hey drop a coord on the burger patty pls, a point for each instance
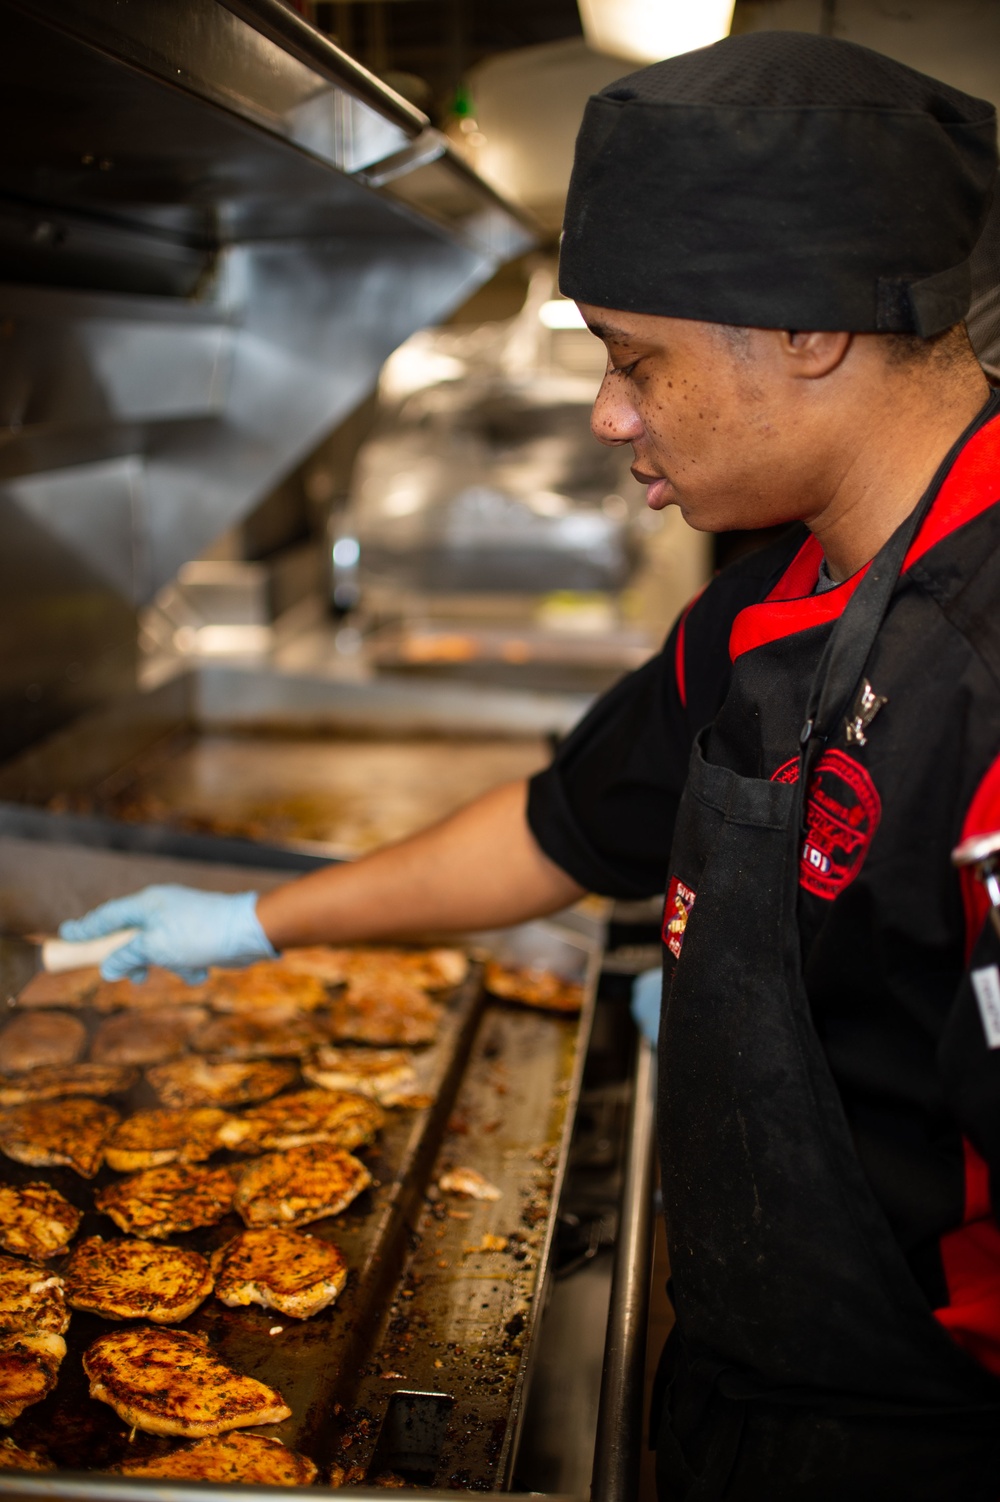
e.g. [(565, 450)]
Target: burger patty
[(49, 1083), (342, 1120), (146, 1037), (290, 1271), (255, 1459), (298, 1186), (169, 1382), (29, 1370), (35, 1220), (151, 1138), (194, 1081), (137, 1280), (49, 1133), (31, 1299), (162, 1201), (34, 1039)]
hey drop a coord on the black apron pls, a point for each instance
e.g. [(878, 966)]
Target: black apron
[(805, 1362)]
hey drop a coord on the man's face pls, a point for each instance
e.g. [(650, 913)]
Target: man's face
[(711, 417)]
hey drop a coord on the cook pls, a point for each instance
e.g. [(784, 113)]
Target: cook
[(772, 237)]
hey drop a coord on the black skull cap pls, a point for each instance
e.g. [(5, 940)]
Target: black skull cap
[(780, 180)]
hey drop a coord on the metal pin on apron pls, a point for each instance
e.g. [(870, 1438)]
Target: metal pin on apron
[(982, 853)]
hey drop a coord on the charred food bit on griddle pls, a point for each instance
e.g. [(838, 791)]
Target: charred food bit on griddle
[(161, 988), (47, 1134), (137, 1280), (169, 1382), (146, 1037), (71, 988), (31, 1299), (468, 1182), (32, 1040), (29, 1369), (267, 986), (162, 1201), (52, 1083), (369, 1011), (343, 1120), (151, 1138), (533, 988), (254, 1459), (264, 1036), (299, 1186), (290, 1271), (194, 1081), (13, 1458), (35, 1220), (385, 1074)]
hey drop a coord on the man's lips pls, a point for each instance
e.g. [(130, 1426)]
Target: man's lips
[(656, 487)]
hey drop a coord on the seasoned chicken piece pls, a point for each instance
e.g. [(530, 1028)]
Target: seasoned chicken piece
[(198, 1082), (150, 1138), (469, 1182), (169, 1382), (269, 1035), (533, 988), (137, 1280), (13, 1458), (31, 1299), (290, 1271), (162, 1201), (32, 1040), (161, 988), (35, 1220), (47, 1133), (254, 1459), (146, 1037), (300, 1185), (384, 1074), (68, 1079), (71, 988), (29, 1369), (305, 1116), (327, 964), (370, 1012), (267, 986), (431, 969)]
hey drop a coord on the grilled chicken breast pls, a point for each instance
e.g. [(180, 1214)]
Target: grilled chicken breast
[(169, 1382), (13, 1458), (369, 1011), (71, 988), (290, 1271), (31, 1298), (162, 1201), (194, 1081), (34, 1039), (270, 1035), (146, 1037), (161, 988), (35, 1220), (254, 1459), (343, 1120), (533, 988), (136, 1280), (323, 961), (48, 1133), (29, 1370), (267, 986), (150, 1138), (295, 1187), (430, 969), (68, 1079), (384, 1074)]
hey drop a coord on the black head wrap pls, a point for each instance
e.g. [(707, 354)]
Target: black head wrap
[(781, 180)]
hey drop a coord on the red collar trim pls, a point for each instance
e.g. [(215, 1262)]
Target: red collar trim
[(971, 487)]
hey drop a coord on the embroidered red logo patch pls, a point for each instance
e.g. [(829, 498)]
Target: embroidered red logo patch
[(676, 912), (841, 820)]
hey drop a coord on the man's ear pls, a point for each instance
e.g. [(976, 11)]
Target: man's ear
[(812, 353)]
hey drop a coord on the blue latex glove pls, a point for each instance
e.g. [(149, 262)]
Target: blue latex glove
[(647, 991), (181, 928)]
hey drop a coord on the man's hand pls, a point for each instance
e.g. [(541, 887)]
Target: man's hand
[(180, 928)]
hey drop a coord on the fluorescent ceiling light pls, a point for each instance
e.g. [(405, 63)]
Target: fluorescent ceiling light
[(560, 313), (644, 31)]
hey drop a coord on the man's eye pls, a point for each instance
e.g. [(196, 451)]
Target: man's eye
[(624, 370)]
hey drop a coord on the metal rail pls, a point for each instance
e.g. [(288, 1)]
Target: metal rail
[(86, 1488), (620, 1419)]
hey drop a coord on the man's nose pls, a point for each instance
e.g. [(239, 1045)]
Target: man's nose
[(614, 419)]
